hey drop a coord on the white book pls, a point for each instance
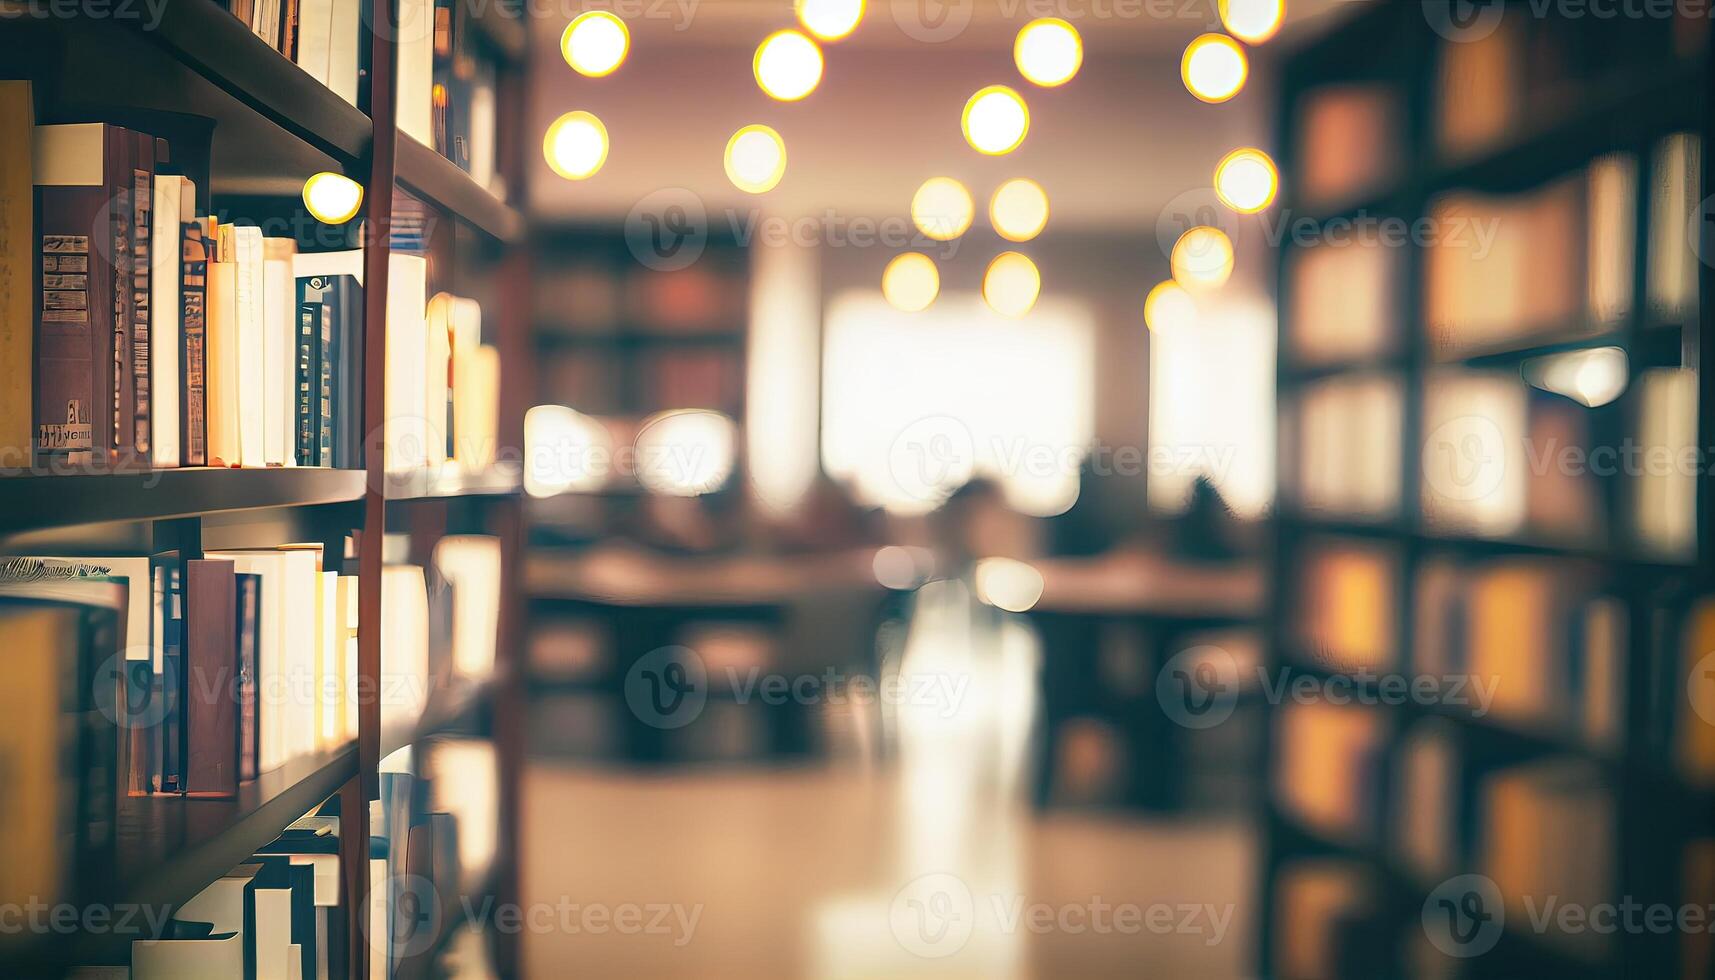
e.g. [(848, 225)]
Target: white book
[(188, 959), (416, 75), (273, 940), (279, 448), (476, 407), (315, 33), (348, 605), (405, 430), (437, 367), (482, 133), (404, 645), (302, 583), (243, 245), (221, 364), (342, 49), (379, 936), (175, 204), (330, 676), (222, 902), (471, 565), (271, 686)]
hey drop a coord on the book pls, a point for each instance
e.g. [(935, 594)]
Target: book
[(335, 281), (210, 685), (416, 67), (213, 957), (346, 599), (139, 400), (193, 287), (1348, 141), (404, 680), (1347, 432), (437, 377), (175, 203), (247, 621), (406, 432), (222, 379), (268, 923), (242, 246), (279, 401), (17, 275), (36, 861), (344, 54), (169, 593), (315, 36), (470, 565), (83, 175), (223, 903)]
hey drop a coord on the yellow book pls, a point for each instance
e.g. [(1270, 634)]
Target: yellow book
[(1697, 727), (17, 262), (39, 643)]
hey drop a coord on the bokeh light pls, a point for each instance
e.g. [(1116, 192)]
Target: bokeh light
[(1246, 180), (1048, 51), (575, 145), (942, 208), (1202, 258), (755, 159), (1214, 68), (1019, 209), (788, 65), (1011, 284), (995, 120), (595, 43), (911, 282)]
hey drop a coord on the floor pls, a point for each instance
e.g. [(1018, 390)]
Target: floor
[(927, 864)]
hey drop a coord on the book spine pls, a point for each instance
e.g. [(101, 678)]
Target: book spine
[(348, 393), (324, 385), (74, 328), (142, 225), (248, 622), (211, 705), (193, 437), (17, 256), (140, 730), (102, 632), (304, 379), (122, 382), (172, 681)]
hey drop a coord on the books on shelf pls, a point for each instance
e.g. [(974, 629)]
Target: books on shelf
[(1663, 491), (1328, 773), (1346, 611), (1553, 262), (1345, 302), (1321, 903), (17, 276), (1347, 433), (319, 36), (1426, 794), (1676, 181), (1475, 468), (404, 680), (1347, 142), (470, 565)]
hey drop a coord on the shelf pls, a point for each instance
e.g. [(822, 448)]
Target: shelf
[(274, 125), (29, 503), (438, 181), (1391, 530), (452, 481), (171, 847)]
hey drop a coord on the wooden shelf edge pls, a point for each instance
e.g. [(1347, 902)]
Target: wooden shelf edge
[(438, 181), (450, 482), (30, 503)]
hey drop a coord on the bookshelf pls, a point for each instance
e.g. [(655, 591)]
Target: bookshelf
[(259, 125), (1558, 97)]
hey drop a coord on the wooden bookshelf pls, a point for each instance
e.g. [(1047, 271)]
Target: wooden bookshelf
[(273, 125), (1641, 97)]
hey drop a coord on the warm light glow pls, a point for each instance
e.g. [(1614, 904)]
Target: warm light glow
[(830, 20), (576, 145), (595, 43), (1591, 378), (1008, 584), (333, 199), (911, 282), (1169, 307), (788, 65), (755, 159), (902, 567), (1214, 68), (564, 451), (1048, 51), (1246, 180), (1252, 21), (1019, 209), (685, 453), (942, 208), (1011, 284), (1202, 258), (995, 120)]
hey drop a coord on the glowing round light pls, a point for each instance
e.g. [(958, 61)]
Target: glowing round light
[(755, 159), (576, 145), (1214, 68), (1007, 583), (1252, 21), (332, 198), (595, 43), (995, 120), (1202, 258), (911, 282), (1019, 209), (1011, 284), (1246, 181), (788, 65), (830, 20), (1048, 51), (1169, 307), (564, 451), (942, 209), (685, 453)]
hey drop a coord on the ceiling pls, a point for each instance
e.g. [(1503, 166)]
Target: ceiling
[(1112, 148)]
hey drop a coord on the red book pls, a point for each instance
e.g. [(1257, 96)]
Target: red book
[(210, 682)]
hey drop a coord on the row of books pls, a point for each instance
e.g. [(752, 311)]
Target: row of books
[(1505, 455), (162, 338), (589, 297), (446, 86), (320, 36), (274, 917), (645, 380)]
